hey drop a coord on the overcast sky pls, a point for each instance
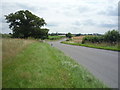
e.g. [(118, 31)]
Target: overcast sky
[(75, 16)]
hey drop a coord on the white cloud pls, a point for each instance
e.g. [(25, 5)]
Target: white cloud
[(76, 16)]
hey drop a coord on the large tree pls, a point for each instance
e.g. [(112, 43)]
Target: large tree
[(25, 24)]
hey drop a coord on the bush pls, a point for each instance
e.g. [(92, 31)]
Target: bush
[(109, 37), (69, 39), (112, 36), (92, 39)]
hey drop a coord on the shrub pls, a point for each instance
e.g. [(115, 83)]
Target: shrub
[(112, 36), (109, 37), (69, 39), (93, 39)]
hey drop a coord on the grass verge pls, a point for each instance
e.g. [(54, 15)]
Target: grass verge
[(113, 48), (41, 66)]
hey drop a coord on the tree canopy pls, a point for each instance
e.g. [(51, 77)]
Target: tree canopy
[(24, 24)]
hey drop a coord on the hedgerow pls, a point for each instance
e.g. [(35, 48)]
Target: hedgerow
[(109, 37)]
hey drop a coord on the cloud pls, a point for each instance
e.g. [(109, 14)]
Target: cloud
[(83, 9), (119, 8), (108, 25), (52, 24), (110, 11), (90, 22), (75, 16)]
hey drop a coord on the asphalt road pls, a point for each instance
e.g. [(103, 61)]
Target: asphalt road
[(103, 64)]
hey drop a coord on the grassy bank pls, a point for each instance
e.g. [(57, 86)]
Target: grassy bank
[(39, 65), (98, 46)]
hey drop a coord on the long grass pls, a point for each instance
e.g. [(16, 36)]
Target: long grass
[(11, 47), (41, 66)]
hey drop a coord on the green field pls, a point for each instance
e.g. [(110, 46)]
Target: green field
[(55, 37), (38, 65)]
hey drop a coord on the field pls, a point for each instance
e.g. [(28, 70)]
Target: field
[(55, 37), (38, 65)]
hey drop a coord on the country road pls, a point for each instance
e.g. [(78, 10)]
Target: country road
[(103, 64)]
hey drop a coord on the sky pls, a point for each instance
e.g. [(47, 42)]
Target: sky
[(63, 16)]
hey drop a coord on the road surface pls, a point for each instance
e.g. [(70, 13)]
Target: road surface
[(103, 64)]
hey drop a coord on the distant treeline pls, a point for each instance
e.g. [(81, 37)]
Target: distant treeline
[(5, 35), (56, 34), (10, 35), (79, 34)]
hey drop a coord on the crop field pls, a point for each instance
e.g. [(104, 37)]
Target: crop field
[(77, 39), (34, 64)]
